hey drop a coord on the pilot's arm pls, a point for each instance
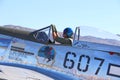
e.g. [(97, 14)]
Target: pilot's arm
[(58, 39), (65, 41)]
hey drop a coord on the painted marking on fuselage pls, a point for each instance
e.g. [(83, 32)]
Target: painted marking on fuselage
[(79, 68), (46, 52), (114, 70)]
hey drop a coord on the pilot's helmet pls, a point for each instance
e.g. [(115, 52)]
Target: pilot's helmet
[(68, 32)]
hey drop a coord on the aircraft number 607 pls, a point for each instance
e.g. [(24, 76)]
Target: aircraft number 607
[(85, 69)]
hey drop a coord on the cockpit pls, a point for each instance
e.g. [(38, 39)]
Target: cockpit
[(82, 33)]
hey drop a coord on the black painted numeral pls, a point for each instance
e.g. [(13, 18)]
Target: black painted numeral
[(87, 64), (100, 65), (69, 60)]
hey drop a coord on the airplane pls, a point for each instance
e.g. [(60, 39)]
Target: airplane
[(82, 59)]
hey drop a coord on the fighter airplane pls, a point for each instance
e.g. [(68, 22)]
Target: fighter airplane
[(84, 59)]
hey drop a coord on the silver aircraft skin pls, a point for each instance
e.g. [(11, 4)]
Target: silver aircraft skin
[(85, 60)]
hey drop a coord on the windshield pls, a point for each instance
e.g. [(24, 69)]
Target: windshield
[(92, 34), (44, 35)]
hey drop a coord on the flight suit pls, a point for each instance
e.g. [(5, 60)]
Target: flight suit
[(66, 41)]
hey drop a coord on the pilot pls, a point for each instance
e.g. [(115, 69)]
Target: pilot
[(67, 36)]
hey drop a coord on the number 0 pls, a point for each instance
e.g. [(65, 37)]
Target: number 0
[(87, 65)]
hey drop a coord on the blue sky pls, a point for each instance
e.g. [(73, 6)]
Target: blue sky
[(102, 14)]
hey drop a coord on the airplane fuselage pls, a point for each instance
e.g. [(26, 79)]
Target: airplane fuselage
[(82, 59)]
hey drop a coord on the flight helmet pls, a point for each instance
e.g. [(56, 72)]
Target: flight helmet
[(68, 32)]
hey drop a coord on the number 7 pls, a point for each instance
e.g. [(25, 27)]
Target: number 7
[(100, 65)]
